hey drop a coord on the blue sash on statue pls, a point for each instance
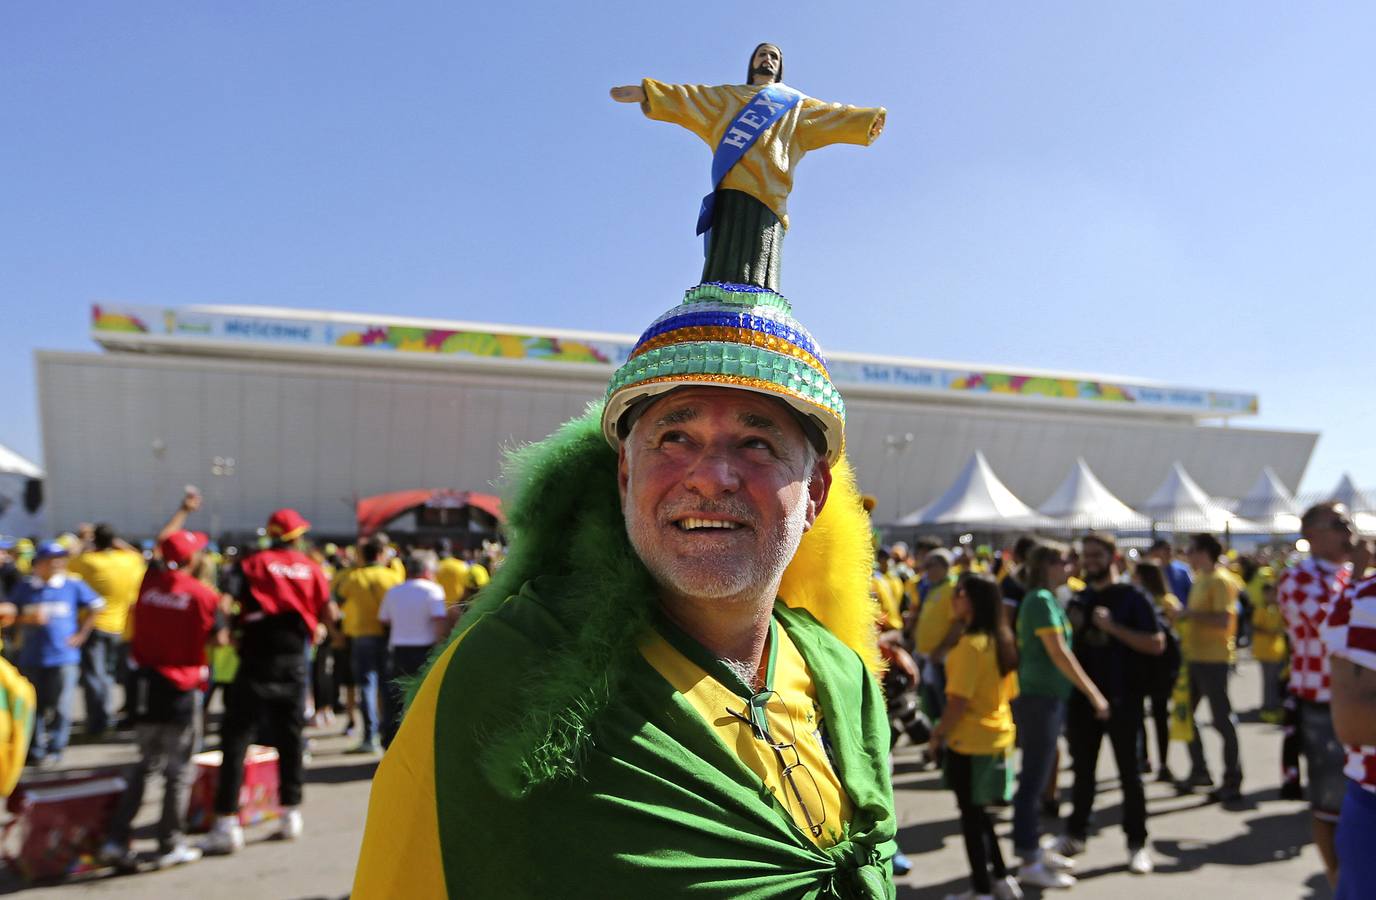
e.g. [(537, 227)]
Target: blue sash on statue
[(766, 108)]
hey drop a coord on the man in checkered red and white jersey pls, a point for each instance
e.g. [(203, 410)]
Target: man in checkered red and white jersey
[(1307, 594), (1351, 637)]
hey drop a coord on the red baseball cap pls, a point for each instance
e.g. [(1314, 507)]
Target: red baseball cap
[(179, 546), (287, 525)]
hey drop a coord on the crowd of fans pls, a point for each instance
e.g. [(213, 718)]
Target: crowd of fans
[(1005, 650), (287, 631), (1050, 640)]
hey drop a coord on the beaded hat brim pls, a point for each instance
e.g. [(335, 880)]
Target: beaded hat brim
[(731, 336)]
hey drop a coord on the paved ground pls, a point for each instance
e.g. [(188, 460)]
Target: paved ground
[(1260, 850)]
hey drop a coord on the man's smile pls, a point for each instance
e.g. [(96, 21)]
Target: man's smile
[(694, 523)]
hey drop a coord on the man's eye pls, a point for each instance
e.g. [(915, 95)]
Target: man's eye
[(673, 437), (756, 444)]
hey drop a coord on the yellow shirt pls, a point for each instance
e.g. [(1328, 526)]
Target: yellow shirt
[(1268, 633), (477, 576), (765, 171), (796, 713), (452, 575), (934, 619), (361, 591), (972, 672), (1170, 603), (1214, 591), (883, 589), (114, 574)]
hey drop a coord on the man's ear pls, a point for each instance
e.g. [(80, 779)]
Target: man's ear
[(623, 472), (818, 487)]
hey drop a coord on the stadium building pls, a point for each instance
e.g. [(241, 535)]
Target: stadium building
[(265, 407)]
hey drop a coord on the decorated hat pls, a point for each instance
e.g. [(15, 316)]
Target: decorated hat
[(731, 335), (179, 546), (287, 525)]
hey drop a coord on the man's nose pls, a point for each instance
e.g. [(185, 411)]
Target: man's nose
[(713, 474)]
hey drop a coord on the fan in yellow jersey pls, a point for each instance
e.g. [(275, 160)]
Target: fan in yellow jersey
[(977, 726), (452, 575), (671, 661), (1269, 646), (114, 571), (360, 592), (1210, 650), (933, 627)]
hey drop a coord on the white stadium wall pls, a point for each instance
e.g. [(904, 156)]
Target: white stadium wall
[(122, 432)]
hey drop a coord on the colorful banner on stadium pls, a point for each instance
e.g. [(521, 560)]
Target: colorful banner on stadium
[(108, 321)]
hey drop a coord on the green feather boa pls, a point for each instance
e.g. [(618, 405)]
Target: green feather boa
[(563, 519)]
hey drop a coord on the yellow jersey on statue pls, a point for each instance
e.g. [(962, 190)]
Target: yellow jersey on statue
[(759, 131)]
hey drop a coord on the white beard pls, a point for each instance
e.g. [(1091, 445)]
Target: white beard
[(715, 577)]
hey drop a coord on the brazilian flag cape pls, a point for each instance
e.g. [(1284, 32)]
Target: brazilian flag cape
[(542, 756)]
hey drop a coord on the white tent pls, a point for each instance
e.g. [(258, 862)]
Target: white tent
[(1180, 504), (1082, 501), (977, 498), (1360, 504), (15, 474), (1348, 494), (1269, 504)]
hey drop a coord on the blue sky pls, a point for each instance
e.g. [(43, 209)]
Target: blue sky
[(1177, 191)]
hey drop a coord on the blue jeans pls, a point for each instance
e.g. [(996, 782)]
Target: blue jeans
[(1039, 720), (1356, 836), (54, 686), (369, 660), (98, 656)]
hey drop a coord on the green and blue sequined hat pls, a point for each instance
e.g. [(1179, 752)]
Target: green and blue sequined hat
[(731, 335)]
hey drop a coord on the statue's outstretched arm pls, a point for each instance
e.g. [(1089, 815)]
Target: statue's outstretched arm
[(630, 93)]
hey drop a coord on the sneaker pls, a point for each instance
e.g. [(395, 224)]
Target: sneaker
[(901, 864), (1199, 780), (366, 747), (179, 855), (1066, 845), (1006, 888), (1056, 862), (118, 855), (1165, 776), (1227, 794), (1041, 875), (1140, 863), (292, 824), (226, 837), (969, 895)]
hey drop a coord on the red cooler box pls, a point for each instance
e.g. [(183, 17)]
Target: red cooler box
[(257, 795), (58, 827)]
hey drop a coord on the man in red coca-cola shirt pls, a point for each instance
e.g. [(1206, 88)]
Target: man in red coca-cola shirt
[(283, 597), (174, 618)]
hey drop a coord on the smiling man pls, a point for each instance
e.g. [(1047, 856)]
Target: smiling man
[(666, 686)]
